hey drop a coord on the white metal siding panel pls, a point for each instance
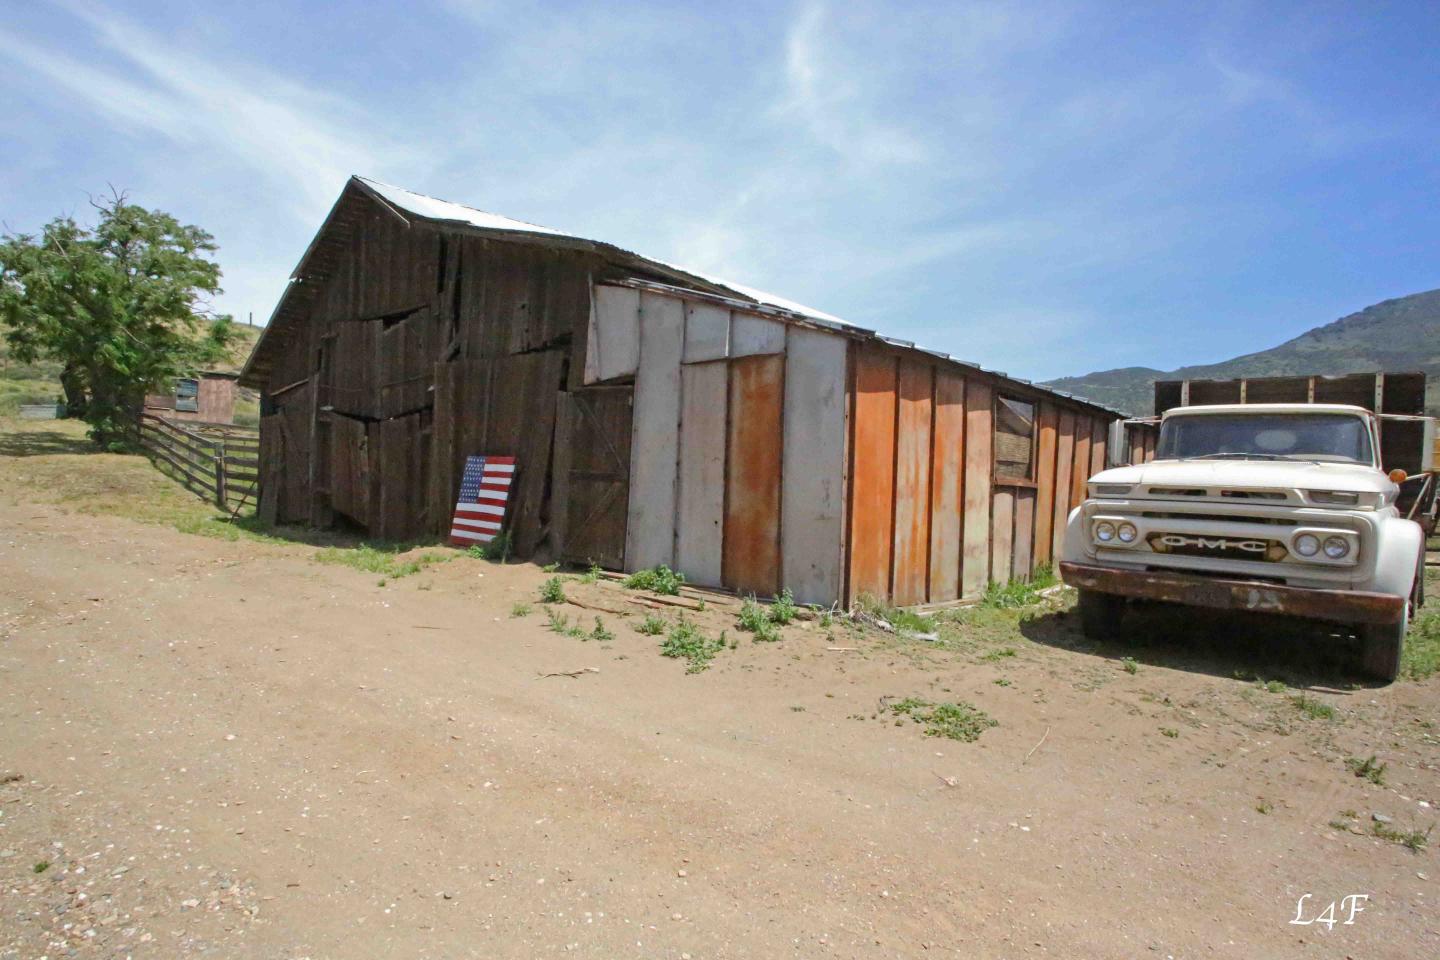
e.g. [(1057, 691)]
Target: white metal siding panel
[(813, 466), (700, 518), (707, 332), (753, 336), (655, 434), (613, 348)]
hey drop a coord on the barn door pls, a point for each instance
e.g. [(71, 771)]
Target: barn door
[(592, 475)]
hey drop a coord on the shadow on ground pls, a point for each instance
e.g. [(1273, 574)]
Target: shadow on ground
[(1247, 646), (40, 443)]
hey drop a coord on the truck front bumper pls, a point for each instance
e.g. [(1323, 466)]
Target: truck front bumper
[(1339, 606)]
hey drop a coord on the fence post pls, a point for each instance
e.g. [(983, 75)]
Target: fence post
[(220, 499)]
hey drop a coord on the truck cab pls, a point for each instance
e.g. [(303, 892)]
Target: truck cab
[(1273, 508)]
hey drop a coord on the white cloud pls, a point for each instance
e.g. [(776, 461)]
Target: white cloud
[(831, 101), (303, 141)]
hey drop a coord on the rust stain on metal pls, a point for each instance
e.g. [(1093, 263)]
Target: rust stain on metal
[(752, 481), (947, 486), (1080, 472), (912, 485), (979, 443), (1064, 462), (1045, 482), (1342, 606), (873, 473)]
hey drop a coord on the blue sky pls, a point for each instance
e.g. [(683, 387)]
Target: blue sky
[(1044, 188)]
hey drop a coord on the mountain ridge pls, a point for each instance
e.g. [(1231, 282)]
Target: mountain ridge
[(1398, 335)]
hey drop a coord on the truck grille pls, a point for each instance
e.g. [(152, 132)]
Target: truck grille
[(1231, 548)]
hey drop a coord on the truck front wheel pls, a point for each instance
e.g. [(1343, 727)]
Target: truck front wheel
[(1380, 645), (1100, 614)]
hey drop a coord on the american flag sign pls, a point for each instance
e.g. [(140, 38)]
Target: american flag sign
[(484, 493)]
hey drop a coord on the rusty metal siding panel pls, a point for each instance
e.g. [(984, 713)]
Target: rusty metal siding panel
[(872, 472), (1049, 421), (614, 336), (979, 441), (707, 332), (813, 498), (655, 444), (1024, 535), (700, 514), (752, 475), (947, 486), (1002, 534), (1064, 461), (755, 336), (910, 559)]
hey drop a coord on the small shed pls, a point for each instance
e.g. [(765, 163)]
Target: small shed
[(208, 397), (657, 415)]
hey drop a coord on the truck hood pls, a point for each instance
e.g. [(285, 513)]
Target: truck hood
[(1252, 474)]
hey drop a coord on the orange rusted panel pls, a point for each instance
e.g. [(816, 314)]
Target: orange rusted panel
[(1064, 464), (909, 576), (1045, 482), (979, 442), (947, 486), (752, 475), (872, 473)]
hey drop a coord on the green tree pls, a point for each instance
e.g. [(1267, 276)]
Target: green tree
[(123, 306)]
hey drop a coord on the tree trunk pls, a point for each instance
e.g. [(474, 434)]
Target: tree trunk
[(76, 402)]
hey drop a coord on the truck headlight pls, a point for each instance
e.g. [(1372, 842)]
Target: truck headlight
[(1307, 545), (1336, 547), (1104, 531), (1126, 533)]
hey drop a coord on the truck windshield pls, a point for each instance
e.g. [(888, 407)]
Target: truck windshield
[(1332, 437)]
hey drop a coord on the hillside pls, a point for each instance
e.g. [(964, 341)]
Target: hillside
[(22, 383), (1394, 335)]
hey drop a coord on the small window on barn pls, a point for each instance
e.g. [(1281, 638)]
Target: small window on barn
[(1014, 439), (187, 396)]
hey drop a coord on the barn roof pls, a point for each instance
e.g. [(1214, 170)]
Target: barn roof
[(315, 266)]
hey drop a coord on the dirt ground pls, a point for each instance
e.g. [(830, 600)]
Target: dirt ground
[(227, 749)]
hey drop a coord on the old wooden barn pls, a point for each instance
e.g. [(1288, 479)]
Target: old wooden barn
[(658, 416)]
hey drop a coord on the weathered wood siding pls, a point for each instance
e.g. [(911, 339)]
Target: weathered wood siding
[(930, 521), (421, 347)]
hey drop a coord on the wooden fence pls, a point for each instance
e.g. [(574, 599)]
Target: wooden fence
[(217, 461)]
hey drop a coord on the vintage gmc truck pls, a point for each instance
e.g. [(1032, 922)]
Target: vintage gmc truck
[(1275, 508)]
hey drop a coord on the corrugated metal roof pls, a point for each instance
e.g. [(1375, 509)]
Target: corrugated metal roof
[(429, 208)]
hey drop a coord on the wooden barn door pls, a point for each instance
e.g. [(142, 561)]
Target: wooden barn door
[(590, 499)]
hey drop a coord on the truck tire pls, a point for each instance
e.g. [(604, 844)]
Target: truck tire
[(1100, 614), (1382, 643), (1380, 646)]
